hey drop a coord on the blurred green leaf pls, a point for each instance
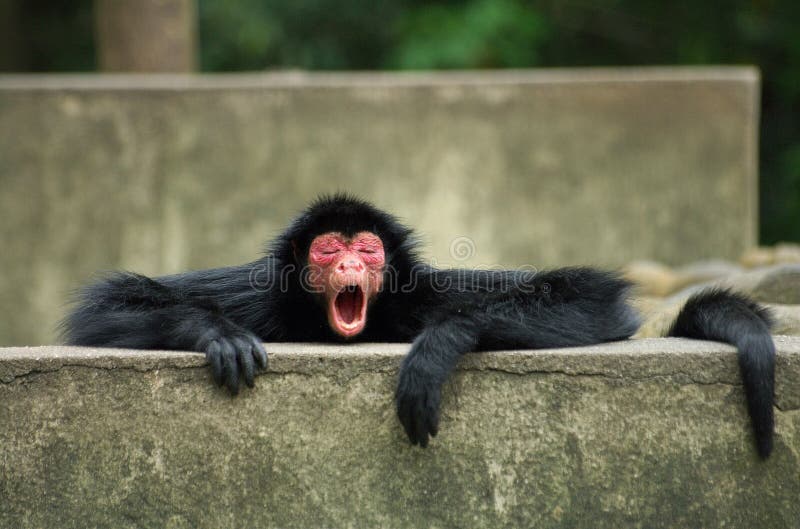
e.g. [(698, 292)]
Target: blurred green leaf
[(480, 34)]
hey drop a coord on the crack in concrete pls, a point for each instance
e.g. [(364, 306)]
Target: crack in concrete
[(54, 369), (299, 372), (600, 374)]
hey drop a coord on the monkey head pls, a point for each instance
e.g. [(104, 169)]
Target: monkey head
[(346, 249)]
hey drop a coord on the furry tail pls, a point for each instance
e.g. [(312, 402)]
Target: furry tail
[(724, 316)]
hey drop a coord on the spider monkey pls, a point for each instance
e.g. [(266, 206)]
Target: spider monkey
[(345, 271)]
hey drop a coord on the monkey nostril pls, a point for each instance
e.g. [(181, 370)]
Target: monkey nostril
[(350, 266)]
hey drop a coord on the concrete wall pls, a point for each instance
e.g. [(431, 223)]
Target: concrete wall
[(644, 433), (159, 174)]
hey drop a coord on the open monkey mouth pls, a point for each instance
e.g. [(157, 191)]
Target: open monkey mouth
[(349, 311)]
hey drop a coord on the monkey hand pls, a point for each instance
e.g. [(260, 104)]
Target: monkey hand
[(418, 398), (233, 353)]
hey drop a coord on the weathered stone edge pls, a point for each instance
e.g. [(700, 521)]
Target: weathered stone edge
[(682, 361), (298, 79)]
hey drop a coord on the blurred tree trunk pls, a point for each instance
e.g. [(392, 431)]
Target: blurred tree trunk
[(146, 35), (11, 42)]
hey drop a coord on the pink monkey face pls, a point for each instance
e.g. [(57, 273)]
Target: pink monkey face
[(349, 273)]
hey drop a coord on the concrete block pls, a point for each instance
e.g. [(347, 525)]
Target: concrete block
[(644, 433)]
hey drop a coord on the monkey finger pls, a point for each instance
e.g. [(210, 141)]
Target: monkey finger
[(420, 424), (432, 406), (214, 358), (259, 352), (244, 350), (433, 424), (230, 368), (248, 368), (404, 414)]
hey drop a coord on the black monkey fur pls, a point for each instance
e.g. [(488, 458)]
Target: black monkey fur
[(228, 312)]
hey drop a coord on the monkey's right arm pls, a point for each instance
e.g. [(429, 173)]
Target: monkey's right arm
[(181, 312)]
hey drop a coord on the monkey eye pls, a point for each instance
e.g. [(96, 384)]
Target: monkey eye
[(367, 250), (329, 252)]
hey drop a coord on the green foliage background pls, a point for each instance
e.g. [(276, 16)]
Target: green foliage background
[(412, 34)]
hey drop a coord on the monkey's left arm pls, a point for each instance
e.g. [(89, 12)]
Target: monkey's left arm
[(432, 358), (483, 310), (569, 307)]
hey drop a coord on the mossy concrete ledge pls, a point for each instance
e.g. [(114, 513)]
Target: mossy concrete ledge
[(646, 433)]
